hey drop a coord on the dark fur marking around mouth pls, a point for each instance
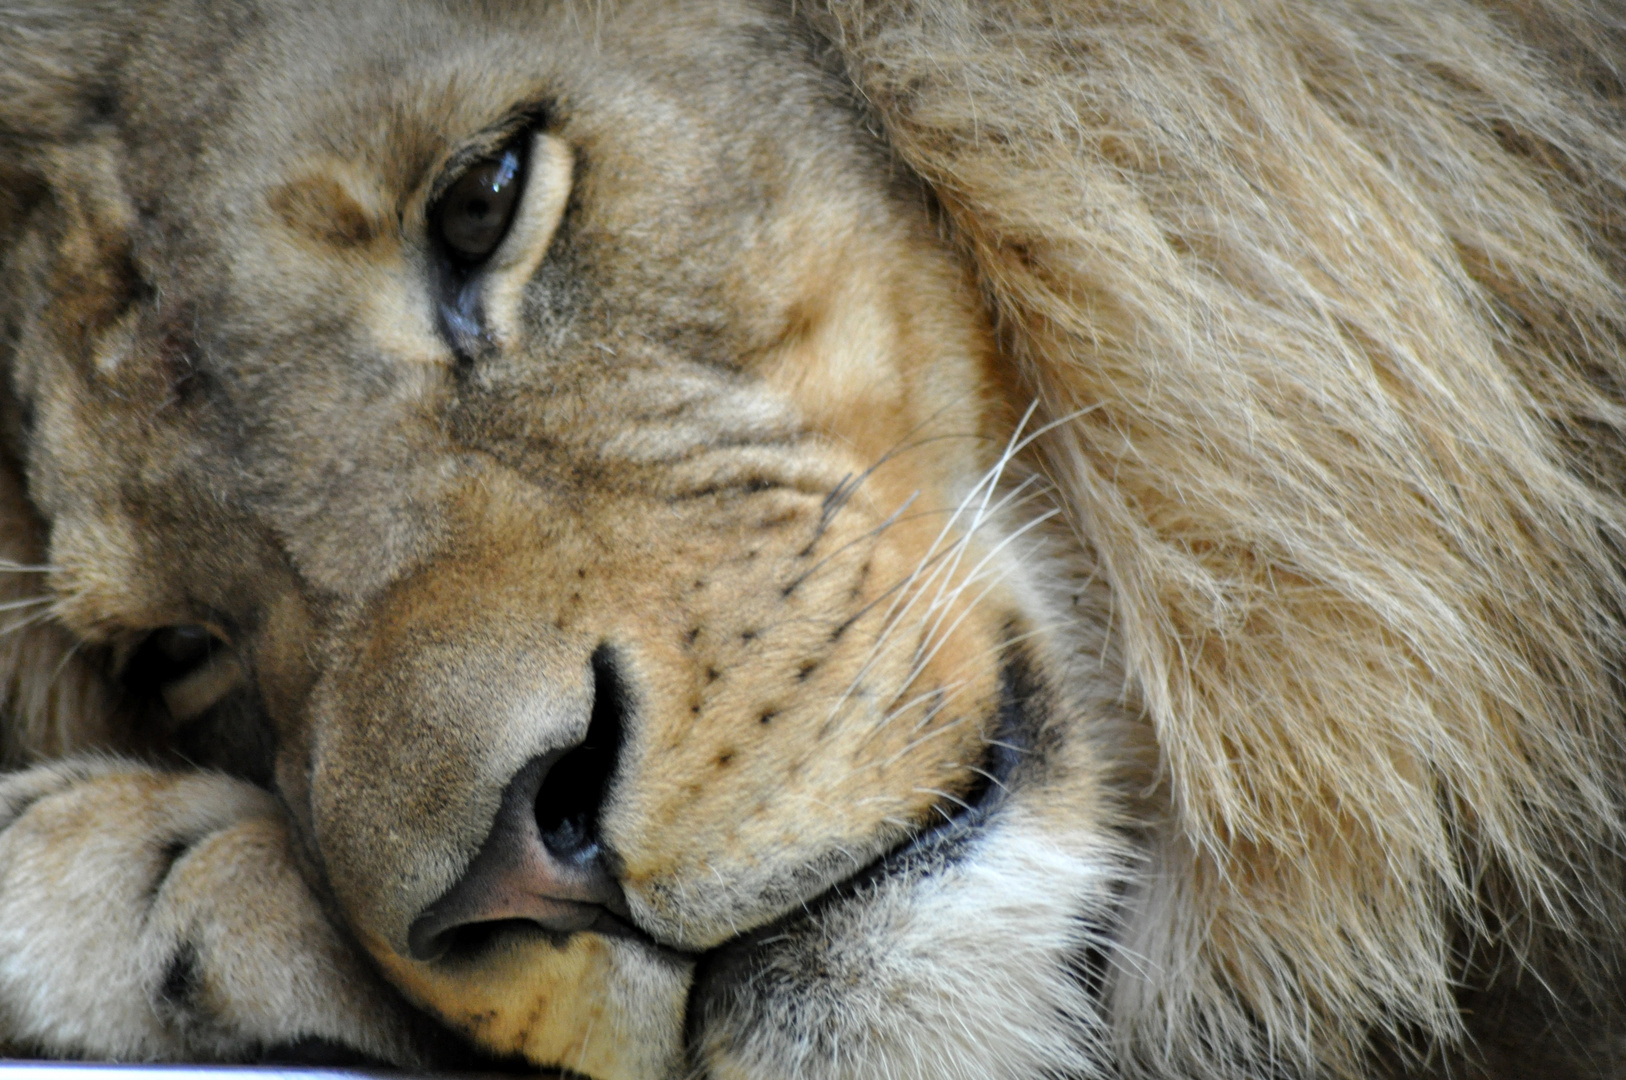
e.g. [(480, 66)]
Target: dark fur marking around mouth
[(442, 1049)]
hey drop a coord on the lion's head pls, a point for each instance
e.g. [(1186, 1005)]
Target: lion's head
[(580, 444), (585, 458)]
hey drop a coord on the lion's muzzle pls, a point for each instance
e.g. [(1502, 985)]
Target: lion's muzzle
[(467, 749)]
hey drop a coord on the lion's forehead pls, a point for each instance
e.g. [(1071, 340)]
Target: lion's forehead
[(296, 308)]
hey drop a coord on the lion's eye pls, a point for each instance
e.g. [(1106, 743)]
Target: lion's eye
[(172, 653), (474, 214), (187, 666)]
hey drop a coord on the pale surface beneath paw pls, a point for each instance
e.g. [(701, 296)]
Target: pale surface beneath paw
[(65, 1070)]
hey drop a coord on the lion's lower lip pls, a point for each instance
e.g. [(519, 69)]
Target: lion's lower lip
[(609, 924), (474, 942)]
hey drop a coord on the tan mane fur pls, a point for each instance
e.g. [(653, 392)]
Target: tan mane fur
[(1328, 294)]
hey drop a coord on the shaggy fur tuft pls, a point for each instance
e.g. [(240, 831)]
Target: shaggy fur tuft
[(1334, 291)]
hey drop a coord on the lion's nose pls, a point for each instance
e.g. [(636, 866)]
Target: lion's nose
[(543, 861)]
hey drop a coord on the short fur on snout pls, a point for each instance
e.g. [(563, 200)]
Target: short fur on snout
[(1005, 540)]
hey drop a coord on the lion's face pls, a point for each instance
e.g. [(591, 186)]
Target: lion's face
[(581, 446)]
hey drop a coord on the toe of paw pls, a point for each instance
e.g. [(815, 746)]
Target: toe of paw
[(20, 791)]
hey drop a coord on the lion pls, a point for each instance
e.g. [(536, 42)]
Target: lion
[(837, 539)]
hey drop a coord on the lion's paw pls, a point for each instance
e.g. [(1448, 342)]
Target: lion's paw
[(148, 915)]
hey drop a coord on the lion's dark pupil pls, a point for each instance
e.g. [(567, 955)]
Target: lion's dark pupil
[(170, 654), (476, 212)]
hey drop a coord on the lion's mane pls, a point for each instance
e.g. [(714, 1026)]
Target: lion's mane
[(1328, 300)]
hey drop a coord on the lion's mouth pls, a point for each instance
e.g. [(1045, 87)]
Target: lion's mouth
[(719, 979), (958, 819), (1007, 752)]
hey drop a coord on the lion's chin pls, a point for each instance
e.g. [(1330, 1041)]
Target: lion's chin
[(1003, 912), (1003, 916), (611, 1003), (605, 1006)]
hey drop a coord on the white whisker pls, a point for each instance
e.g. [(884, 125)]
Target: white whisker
[(922, 740), (923, 659), (932, 561), (941, 639), (34, 618), (983, 488), (999, 508)]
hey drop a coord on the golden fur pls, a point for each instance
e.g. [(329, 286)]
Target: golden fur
[(1304, 566)]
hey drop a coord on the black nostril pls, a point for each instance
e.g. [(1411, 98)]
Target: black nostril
[(572, 792), (543, 863)]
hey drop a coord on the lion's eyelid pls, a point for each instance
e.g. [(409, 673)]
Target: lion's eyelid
[(541, 208)]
